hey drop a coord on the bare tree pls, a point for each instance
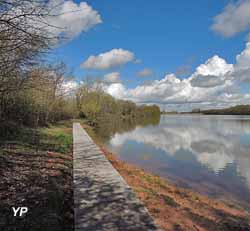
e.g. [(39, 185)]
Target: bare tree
[(24, 38)]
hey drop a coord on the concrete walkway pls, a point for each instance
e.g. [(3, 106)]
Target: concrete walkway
[(103, 200)]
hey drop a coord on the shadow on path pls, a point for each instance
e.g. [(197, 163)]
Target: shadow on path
[(103, 200)]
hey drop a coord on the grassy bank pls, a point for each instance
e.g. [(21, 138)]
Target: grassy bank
[(36, 171), (174, 208)]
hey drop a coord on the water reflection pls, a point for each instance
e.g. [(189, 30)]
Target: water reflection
[(109, 126), (211, 149)]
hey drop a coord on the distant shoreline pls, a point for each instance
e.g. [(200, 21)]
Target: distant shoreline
[(235, 110)]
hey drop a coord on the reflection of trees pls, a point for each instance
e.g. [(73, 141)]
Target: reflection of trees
[(109, 126)]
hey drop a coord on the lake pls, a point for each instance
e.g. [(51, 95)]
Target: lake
[(209, 154)]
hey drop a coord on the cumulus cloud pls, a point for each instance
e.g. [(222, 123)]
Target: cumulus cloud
[(235, 18), (243, 59), (70, 19), (145, 73), (213, 84), (242, 66), (62, 20), (214, 66), (113, 77), (214, 72), (242, 75), (108, 60), (206, 81)]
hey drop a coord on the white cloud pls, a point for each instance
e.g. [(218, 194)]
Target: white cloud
[(214, 84), (213, 73), (113, 77), (214, 66), (117, 90), (235, 18), (206, 81), (145, 72), (242, 66), (169, 90), (63, 19), (70, 18), (243, 59), (107, 60), (242, 75)]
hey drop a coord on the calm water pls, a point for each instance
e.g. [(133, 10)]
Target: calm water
[(210, 154)]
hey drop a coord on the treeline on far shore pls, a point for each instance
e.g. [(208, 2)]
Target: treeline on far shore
[(235, 110)]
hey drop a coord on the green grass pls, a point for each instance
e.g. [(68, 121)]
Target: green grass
[(57, 138)]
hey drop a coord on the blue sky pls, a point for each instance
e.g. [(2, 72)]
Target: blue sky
[(164, 36)]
